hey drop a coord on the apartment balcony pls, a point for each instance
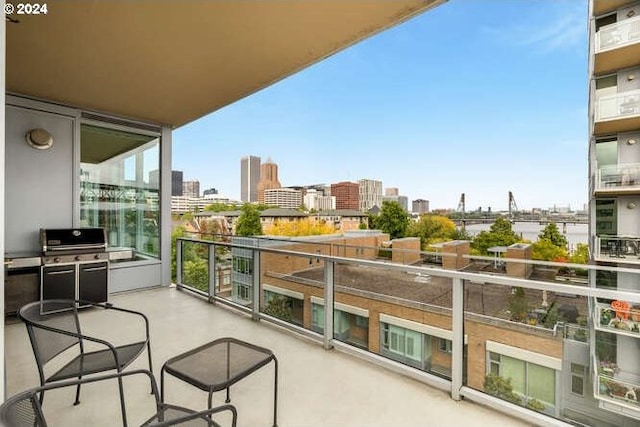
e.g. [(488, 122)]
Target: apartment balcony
[(617, 395), (316, 387), (618, 318), (600, 7), (617, 46), (618, 113), (619, 249), (618, 180)]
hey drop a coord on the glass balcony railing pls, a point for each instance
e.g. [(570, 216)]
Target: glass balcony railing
[(617, 35), (512, 338), (619, 317), (618, 106), (617, 248), (618, 177), (617, 391)]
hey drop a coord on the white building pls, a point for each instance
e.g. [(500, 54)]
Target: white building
[(287, 198), (370, 194), (315, 200)]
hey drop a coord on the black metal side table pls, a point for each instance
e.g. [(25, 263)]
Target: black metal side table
[(220, 364)]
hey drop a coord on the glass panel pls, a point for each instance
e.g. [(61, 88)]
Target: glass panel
[(606, 217), (606, 152), (515, 370), (195, 265), (542, 384), (606, 82), (119, 187)]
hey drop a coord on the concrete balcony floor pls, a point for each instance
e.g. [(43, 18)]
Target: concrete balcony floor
[(317, 387)]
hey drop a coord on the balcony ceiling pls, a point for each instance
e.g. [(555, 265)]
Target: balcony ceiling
[(173, 62), (601, 7)]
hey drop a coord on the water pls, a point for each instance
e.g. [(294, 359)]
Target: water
[(576, 233)]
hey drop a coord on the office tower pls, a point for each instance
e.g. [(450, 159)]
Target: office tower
[(370, 194), (420, 206), (391, 191), (403, 201), (210, 192), (176, 183), (249, 178), (614, 171), (191, 188), (346, 194), (268, 179)]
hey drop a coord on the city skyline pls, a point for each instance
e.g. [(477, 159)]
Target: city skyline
[(423, 107)]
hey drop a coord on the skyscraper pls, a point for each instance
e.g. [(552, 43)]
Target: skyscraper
[(176, 183), (191, 188), (268, 179), (370, 191), (249, 178), (346, 194)]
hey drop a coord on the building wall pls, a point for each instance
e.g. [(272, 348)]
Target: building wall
[(249, 178), (176, 183), (347, 195), (191, 188), (420, 206), (370, 192), (268, 179), (283, 197)]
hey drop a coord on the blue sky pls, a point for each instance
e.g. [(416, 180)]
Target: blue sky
[(475, 97)]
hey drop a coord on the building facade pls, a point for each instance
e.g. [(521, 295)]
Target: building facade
[(420, 206), (614, 168), (268, 179), (315, 200), (370, 194), (347, 195), (191, 188), (249, 178), (401, 200), (176, 183), (391, 191), (286, 198)]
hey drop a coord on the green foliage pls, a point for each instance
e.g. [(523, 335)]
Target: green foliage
[(175, 234), (518, 306), (545, 250), (500, 387), (553, 235), (278, 306), (393, 219), (580, 255), (535, 405), (432, 229), (550, 318), (362, 226), (220, 207), (249, 221), (196, 274), (500, 234)]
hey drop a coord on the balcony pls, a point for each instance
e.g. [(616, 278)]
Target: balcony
[(618, 180), (618, 113), (317, 388), (619, 249), (617, 46), (618, 395), (619, 318)]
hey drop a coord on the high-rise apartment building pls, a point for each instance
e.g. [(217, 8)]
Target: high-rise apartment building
[(287, 198), (347, 195), (191, 188), (370, 194), (249, 178), (420, 206), (614, 171), (391, 191), (176, 183), (315, 200), (401, 200), (268, 179)]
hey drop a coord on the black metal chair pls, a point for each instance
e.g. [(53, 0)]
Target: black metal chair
[(25, 408), (54, 328)]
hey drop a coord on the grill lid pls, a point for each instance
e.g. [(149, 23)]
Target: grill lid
[(70, 239)]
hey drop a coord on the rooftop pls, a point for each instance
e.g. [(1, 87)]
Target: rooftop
[(340, 390)]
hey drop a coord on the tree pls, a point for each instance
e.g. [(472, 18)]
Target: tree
[(302, 227), (552, 234), (249, 221), (580, 255), (393, 219), (500, 234), (545, 250), (432, 229)]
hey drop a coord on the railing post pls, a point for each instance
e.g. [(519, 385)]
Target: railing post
[(328, 304), (457, 359), (212, 271), (178, 262), (256, 285)]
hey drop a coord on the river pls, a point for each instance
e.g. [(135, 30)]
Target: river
[(576, 233)]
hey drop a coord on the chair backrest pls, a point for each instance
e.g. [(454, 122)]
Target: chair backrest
[(22, 410), (47, 321)]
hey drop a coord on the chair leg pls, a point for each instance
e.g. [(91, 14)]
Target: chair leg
[(150, 365), (275, 393), (122, 406)]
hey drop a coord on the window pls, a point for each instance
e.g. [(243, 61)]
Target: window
[(347, 327), (577, 379), (242, 292), (402, 342), (529, 380), (283, 307), (243, 265), (444, 345), (120, 187)]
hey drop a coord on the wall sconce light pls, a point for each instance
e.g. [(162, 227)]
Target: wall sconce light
[(631, 205), (631, 77), (631, 141), (39, 139), (631, 13)]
